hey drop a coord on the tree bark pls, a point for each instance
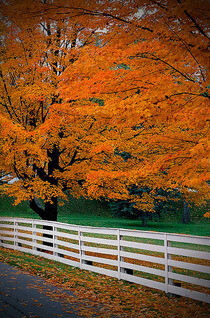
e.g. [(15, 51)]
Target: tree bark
[(51, 210), (51, 213), (186, 212), (144, 219)]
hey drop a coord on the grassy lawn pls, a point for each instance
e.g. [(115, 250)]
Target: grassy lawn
[(95, 213)]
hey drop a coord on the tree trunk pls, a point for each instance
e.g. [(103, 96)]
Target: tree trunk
[(51, 213), (186, 212), (51, 210), (144, 219), (48, 213)]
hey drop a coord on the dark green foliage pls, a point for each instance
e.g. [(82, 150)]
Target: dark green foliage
[(99, 101), (172, 207), (124, 209), (171, 203), (125, 155)]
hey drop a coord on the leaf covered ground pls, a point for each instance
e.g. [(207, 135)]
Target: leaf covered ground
[(102, 296)]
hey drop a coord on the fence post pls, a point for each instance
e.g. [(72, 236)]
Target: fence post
[(118, 249), (55, 246), (15, 235), (168, 281), (1, 241), (34, 237), (166, 262), (80, 246)]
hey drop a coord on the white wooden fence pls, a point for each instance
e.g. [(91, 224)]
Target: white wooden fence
[(174, 263)]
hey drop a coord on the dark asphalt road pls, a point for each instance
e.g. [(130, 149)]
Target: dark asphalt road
[(24, 296)]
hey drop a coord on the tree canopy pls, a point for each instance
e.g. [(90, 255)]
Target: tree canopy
[(99, 96)]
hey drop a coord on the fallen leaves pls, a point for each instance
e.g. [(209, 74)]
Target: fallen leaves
[(101, 296)]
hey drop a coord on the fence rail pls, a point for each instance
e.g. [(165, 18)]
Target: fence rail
[(174, 263)]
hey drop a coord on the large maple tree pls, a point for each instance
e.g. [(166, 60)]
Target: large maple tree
[(98, 96)]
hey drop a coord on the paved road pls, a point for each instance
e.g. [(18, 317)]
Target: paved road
[(24, 296)]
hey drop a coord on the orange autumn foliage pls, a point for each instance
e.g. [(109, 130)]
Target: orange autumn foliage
[(84, 82)]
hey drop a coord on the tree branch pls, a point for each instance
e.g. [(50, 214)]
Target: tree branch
[(151, 56), (36, 208), (9, 99), (196, 24)]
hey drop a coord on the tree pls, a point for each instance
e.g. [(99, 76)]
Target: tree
[(84, 81)]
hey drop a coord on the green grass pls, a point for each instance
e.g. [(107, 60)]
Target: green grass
[(96, 213)]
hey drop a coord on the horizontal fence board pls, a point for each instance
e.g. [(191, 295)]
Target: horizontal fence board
[(17, 240), (68, 253), (190, 266), (6, 238), (23, 249), (143, 281), (67, 261), (199, 240), (99, 250), (7, 232), (98, 240), (145, 269), (43, 222), (44, 255), (63, 226), (43, 239), (189, 293), (104, 231), (5, 245), (142, 257), (189, 279), (43, 231), (67, 244), (142, 246), (189, 253), (23, 220), (8, 226), (24, 228), (7, 219), (142, 234), (45, 247), (99, 260), (26, 235), (100, 270), (67, 235)]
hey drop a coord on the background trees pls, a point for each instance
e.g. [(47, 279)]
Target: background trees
[(84, 82)]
